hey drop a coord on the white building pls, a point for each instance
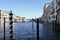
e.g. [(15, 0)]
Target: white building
[(57, 10), (51, 10), (47, 12), (4, 14)]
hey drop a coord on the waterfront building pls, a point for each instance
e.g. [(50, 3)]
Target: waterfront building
[(17, 19), (28, 19), (20, 19), (47, 12), (57, 10), (51, 12), (4, 14), (23, 19)]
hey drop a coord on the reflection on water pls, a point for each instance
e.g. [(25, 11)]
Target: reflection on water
[(23, 31)]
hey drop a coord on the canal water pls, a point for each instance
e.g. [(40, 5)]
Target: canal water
[(25, 31)]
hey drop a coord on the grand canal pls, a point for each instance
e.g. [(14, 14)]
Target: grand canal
[(25, 31)]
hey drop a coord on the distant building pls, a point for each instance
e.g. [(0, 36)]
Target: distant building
[(17, 19), (20, 19), (5, 14), (28, 19), (23, 19)]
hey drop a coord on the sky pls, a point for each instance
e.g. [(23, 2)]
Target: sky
[(24, 8)]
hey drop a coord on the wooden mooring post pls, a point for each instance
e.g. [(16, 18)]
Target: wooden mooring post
[(37, 29), (11, 24), (4, 29)]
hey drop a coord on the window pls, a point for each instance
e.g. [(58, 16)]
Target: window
[(58, 3), (49, 18), (53, 16)]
